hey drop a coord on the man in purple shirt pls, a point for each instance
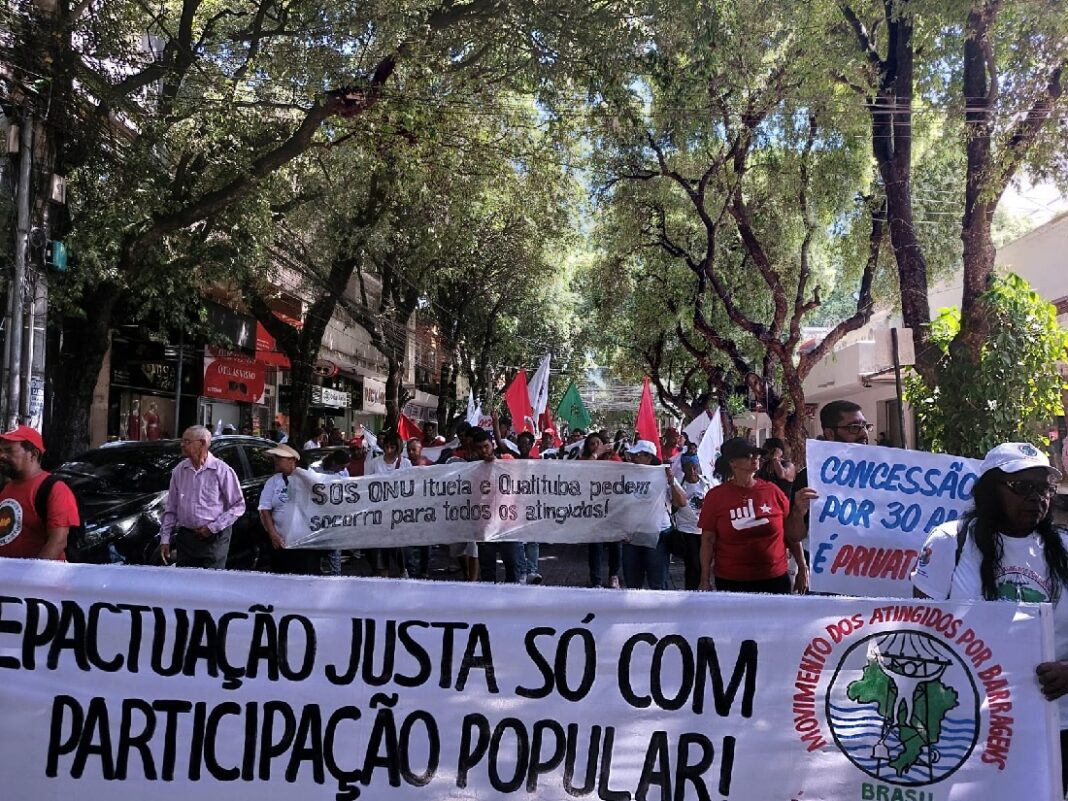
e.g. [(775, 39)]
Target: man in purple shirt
[(203, 502)]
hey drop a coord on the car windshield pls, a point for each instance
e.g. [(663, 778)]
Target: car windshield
[(124, 470)]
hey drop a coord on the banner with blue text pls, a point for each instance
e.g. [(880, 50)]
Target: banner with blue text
[(876, 507), (120, 684)]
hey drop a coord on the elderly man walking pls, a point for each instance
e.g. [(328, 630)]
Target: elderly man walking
[(203, 502)]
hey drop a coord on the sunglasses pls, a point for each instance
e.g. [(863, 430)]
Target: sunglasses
[(1030, 489)]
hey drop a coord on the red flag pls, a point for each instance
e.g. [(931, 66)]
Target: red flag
[(646, 424), (517, 399), (406, 429)]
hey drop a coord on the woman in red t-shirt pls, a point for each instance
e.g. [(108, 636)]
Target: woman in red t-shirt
[(743, 542)]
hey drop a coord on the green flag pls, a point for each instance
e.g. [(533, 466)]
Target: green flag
[(572, 410)]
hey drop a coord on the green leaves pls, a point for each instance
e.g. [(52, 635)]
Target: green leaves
[(1014, 390)]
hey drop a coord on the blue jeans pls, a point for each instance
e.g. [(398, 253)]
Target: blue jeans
[(487, 560), (528, 558), (595, 558), (642, 564)]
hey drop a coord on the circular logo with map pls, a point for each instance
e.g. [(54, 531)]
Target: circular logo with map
[(10, 520), (904, 708)]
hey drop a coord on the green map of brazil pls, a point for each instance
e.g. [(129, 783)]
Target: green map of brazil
[(931, 702)]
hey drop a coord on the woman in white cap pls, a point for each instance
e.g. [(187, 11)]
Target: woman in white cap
[(1006, 548)]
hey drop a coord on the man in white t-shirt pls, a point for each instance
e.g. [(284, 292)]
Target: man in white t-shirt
[(273, 499)]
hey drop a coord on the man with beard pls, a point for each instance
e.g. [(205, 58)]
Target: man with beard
[(842, 421), (36, 511)]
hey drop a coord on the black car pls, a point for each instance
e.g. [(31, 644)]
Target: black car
[(122, 489)]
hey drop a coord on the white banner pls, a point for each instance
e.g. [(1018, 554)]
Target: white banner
[(120, 684), (875, 510), (529, 500)]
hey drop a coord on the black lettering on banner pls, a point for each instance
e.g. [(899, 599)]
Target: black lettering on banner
[(589, 662), (522, 755), (726, 766), (605, 792), (264, 647), (69, 636), (417, 652), (471, 750), (232, 674), (287, 645), (656, 770), (211, 738), (92, 639), (433, 743), (139, 740), (137, 629), (202, 645), (626, 654), (477, 656), (345, 777), (383, 746), (35, 635), (270, 745), (388, 649), (745, 669), (691, 773), (679, 643), (252, 727), (589, 780), (95, 740), (539, 660), (449, 629), (159, 637), (541, 765), (9, 627), (61, 739)]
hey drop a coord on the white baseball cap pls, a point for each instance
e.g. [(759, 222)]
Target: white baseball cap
[(1012, 457), (642, 446)]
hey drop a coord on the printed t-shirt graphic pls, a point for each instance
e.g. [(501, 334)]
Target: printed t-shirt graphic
[(749, 522), (22, 532)]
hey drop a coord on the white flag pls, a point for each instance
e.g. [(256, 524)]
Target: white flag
[(538, 388), (474, 413), (711, 442)]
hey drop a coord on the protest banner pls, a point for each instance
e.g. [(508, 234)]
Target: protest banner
[(523, 499), (120, 683), (876, 507)]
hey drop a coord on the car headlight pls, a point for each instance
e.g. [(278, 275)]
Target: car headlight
[(116, 529)]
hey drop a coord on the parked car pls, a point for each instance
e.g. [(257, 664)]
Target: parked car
[(122, 489)]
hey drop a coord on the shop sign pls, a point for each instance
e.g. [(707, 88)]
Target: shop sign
[(334, 398), (325, 368), (267, 349), (374, 396), (233, 376)]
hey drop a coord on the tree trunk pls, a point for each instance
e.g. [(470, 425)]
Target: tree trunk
[(73, 373), (394, 388), (301, 377), (446, 395)]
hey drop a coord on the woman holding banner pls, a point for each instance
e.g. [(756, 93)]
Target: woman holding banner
[(594, 449), (1006, 548), (743, 535)]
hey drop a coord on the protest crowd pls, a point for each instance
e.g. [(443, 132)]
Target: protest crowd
[(737, 520)]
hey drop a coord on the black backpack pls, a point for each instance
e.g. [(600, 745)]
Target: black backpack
[(40, 505)]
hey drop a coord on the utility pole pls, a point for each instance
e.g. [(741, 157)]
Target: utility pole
[(18, 280)]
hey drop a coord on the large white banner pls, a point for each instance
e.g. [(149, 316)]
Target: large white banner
[(875, 510), (123, 684), (523, 499)]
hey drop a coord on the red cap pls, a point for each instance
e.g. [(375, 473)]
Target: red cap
[(25, 434)]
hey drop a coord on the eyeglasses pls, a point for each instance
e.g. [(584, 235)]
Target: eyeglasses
[(1030, 489), (855, 428)]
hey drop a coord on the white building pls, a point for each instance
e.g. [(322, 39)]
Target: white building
[(861, 367)]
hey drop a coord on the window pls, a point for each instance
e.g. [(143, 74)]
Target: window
[(261, 462), (232, 457)]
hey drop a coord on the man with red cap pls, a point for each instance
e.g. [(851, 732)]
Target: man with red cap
[(24, 531)]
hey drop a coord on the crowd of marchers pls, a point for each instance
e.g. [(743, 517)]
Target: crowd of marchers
[(742, 529)]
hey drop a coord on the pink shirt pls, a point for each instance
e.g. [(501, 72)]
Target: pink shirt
[(210, 496)]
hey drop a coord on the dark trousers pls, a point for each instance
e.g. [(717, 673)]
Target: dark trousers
[(687, 547), (487, 560), (195, 552), (780, 585), (647, 566), (595, 558), (297, 561)]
